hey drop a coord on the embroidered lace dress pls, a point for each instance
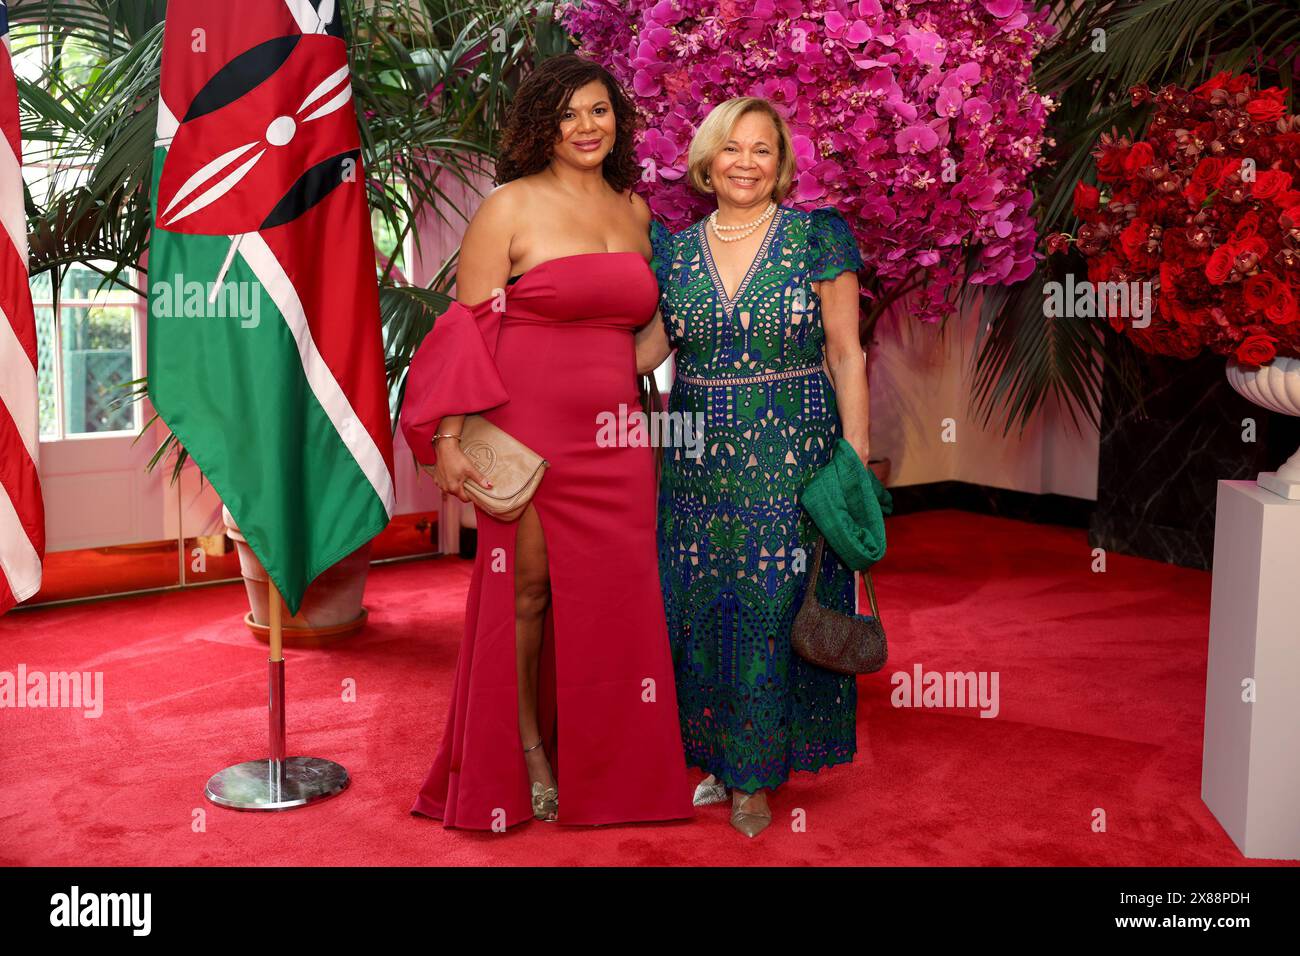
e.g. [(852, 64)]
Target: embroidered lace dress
[(734, 542)]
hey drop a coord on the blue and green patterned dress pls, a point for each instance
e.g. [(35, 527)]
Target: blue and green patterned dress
[(734, 542)]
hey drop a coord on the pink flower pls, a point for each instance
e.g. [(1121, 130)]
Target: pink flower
[(918, 121), (1003, 8), (916, 139), (928, 48)]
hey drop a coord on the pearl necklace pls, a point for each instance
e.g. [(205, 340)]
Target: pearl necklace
[(744, 230)]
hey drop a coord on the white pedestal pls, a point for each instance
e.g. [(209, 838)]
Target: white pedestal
[(1279, 486), (1250, 774)]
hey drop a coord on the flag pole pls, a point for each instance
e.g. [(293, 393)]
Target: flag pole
[(278, 782), (275, 707)]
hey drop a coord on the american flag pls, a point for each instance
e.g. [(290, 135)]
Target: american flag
[(22, 513)]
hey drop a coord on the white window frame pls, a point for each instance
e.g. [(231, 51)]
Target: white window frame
[(139, 308)]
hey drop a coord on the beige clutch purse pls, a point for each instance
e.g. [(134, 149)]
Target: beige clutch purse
[(514, 468)]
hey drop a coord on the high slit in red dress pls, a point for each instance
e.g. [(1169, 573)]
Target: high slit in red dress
[(544, 369)]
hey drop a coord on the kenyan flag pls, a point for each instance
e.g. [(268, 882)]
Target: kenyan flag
[(264, 351)]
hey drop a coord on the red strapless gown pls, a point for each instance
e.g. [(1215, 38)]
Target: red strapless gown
[(560, 354)]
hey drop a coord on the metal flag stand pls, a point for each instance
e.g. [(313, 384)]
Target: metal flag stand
[(279, 782)]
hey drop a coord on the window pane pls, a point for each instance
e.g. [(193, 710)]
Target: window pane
[(48, 412), (386, 244), (96, 364), (82, 63), (28, 52), (81, 282), (41, 284)]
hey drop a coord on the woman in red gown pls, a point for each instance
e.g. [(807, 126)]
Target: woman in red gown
[(565, 667)]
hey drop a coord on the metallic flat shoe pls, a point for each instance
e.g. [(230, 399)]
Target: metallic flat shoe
[(710, 793)]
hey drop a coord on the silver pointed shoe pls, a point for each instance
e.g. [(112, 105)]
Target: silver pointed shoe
[(750, 824), (707, 794)]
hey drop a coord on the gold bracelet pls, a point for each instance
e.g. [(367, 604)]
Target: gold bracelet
[(447, 435)]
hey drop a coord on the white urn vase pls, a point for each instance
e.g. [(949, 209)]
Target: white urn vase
[(1275, 386)]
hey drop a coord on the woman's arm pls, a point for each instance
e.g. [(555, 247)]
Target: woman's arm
[(652, 347), (483, 267), (848, 366), (481, 273)]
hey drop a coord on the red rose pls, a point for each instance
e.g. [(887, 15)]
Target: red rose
[(1282, 310), (1196, 193), (1133, 239), (1087, 201), (1169, 272), (1252, 244), (1208, 171), (1256, 350), (1110, 164), (1217, 82), (1138, 156), (1266, 106), (1220, 263), (1270, 184), (1231, 166), (1246, 228), (1101, 267), (1260, 291)]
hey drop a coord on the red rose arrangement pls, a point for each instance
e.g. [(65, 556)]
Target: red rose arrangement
[(1206, 208)]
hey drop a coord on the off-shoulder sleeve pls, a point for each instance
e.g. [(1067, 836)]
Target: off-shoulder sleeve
[(453, 372), (834, 247), (661, 243)]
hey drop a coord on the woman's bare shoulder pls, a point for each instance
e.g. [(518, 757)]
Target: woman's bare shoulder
[(640, 208), (505, 200), (499, 214)]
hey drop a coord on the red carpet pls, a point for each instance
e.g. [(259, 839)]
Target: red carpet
[(93, 572), (1102, 687)]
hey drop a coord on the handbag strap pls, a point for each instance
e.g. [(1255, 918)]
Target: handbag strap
[(816, 568), (871, 596)]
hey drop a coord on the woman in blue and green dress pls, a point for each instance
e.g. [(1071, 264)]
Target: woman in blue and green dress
[(760, 302)]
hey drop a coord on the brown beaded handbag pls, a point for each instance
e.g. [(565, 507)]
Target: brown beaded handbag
[(844, 643)]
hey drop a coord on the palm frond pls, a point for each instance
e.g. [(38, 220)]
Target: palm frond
[(431, 82)]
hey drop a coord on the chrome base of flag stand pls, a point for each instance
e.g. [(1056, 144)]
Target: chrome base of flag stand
[(276, 785), (278, 782)]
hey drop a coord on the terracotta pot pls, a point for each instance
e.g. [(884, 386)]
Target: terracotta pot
[(330, 609)]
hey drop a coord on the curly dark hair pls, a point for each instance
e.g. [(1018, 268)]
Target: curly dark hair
[(533, 124)]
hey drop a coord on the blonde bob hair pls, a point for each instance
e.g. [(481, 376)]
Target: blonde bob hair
[(715, 131)]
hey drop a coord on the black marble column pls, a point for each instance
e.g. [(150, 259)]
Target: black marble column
[(1159, 464)]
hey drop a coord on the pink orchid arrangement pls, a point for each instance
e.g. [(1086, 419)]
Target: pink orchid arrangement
[(918, 120)]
